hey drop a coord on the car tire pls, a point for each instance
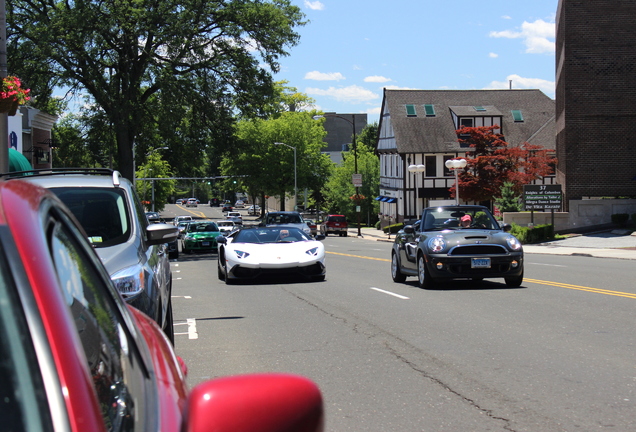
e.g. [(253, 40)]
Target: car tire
[(219, 270), (514, 282), (175, 254), (424, 279), (168, 327), (187, 251), (319, 278), (396, 274)]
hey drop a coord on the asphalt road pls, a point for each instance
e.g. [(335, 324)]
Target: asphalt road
[(556, 354)]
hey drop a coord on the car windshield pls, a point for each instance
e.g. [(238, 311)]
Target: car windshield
[(102, 213), (270, 235), (280, 219), (203, 227), (455, 218)]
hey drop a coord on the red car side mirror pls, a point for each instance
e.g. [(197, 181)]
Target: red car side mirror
[(256, 403)]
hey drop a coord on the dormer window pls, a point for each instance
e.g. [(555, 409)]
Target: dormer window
[(517, 116), (429, 109), (410, 111)]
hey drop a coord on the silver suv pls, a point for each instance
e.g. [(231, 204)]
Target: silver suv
[(133, 250)]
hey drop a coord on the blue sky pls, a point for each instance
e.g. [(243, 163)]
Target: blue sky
[(351, 49)]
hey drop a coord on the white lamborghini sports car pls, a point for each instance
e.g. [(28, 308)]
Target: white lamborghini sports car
[(261, 251)]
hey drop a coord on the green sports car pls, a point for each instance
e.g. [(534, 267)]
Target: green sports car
[(200, 235)]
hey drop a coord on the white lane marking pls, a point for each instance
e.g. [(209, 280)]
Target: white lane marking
[(390, 293), (192, 328), (185, 297), (549, 265)]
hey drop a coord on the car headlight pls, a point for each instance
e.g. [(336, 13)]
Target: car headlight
[(241, 254), (513, 243), (436, 244), (312, 251), (130, 281)]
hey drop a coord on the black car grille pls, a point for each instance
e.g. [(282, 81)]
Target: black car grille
[(478, 250)]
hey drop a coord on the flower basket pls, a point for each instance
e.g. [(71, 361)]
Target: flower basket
[(9, 106), (12, 95)]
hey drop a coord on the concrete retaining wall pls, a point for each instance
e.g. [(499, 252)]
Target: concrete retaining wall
[(582, 214)]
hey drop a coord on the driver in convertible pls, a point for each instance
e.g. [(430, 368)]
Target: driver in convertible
[(466, 221), (283, 234)]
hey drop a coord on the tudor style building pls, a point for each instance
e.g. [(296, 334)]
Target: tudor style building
[(418, 127)]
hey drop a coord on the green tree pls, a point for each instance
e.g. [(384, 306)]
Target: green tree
[(155, 167), (491, 162), (339, 192), (188, 53), (509, 200), (264, 168)]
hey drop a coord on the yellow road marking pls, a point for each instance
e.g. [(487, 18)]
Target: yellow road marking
[(537, 281)]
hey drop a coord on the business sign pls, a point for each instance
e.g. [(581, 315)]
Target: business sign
[(542, 197), (356, 179)]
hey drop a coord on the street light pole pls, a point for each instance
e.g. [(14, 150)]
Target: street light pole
[(355, 158), (153, 182), (416, 169), (456, 164), (295, 173)]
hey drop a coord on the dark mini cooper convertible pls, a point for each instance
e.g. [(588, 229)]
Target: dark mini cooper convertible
[(455, 242)]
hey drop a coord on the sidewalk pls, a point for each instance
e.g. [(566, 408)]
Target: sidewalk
[(607, 244)]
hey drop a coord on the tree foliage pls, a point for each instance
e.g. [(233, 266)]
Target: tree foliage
[(339, 192), (206, 58), (155, 167), (509, 201), (491, 162), (263, 168)]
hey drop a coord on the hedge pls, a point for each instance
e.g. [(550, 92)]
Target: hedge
[(536, 234)]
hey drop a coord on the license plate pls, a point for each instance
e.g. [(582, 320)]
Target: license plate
[(480, 262), (205, 243)]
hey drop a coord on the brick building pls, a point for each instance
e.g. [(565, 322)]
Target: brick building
[(596, 98)]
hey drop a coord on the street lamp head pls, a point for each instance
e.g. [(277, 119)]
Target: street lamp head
[(416, 168), (455, 163), (316, 117)]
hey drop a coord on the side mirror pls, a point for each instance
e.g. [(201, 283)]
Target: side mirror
[(409, 229), (161, 233), (507, 227), (222, 239), (319, 237), (257, 403)]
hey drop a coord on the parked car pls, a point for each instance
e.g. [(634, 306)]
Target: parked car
[(239, 204), (76, 358), (173, 246), (453, 242), (312, 226), (132, 249), (235, 217), (192, 202), (254, 210), (287, 218), (226, 207), (275, 250), (226, 226), (200, 235), (335, 224)]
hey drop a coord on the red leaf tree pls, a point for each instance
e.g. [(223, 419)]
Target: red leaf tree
[(491, 162)]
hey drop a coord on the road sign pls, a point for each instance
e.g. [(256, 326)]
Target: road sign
[(542, 197), (356, 179)]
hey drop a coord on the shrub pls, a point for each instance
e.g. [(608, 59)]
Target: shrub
[(536, 234), (393, 228)]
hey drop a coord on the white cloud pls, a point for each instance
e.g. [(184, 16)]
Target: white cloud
[(377, 79), (321, 76), (351, 94), (537, 36), (506, 17), (374, 111), (314, 5), (493, 55), (519, 82)]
